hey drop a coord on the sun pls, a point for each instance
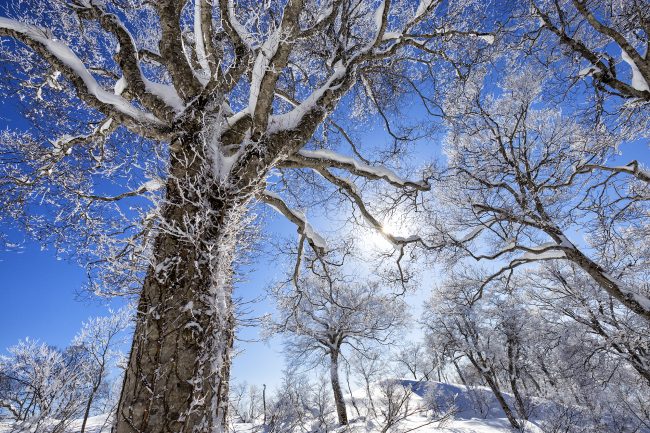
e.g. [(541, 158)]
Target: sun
[(373, 239)]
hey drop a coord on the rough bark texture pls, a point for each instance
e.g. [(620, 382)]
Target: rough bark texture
[(179, 366), (339, 401)]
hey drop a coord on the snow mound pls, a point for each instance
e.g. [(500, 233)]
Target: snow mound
[(475, 410)]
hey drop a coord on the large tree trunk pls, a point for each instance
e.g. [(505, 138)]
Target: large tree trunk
[(179, 366), (339, 401)]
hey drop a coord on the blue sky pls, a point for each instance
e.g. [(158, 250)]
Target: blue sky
[(38, 297), (39, 292), (42, 291)]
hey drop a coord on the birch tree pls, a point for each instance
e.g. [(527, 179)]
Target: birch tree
[(328, 313), (154, 128)]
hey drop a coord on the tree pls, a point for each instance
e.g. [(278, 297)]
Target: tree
[(536, 196), (327, 313), (40, 386), (491, 333), (595, 54), (98, 340), (193, 105), (547, 346), (603, 325), (594, 31), (417, 361), (520, 178), (300, 405), (246, 402), (44, 388), (396, 406)]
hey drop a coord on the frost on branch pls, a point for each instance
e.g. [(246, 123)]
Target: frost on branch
[(327, 312), (521, 183)]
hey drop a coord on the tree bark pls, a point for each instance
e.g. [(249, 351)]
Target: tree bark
[(89, 403), (490, 378), (264, 404), (513, 374), (636, 303), (339, 401), (179, 366)]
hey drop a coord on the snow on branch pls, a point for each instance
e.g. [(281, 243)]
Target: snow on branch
[(325, 17), (506, 215), (331, 159), (236, 31), (545, 251), (529, 257), (381, 21), (63, 145), (161, 99), (602, 66), (317, 101), (149, 186), (203, 36), (61, 57), (316, 241), (632, 168)]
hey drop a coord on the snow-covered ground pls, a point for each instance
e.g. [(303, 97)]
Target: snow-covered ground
[(99, 424), (469, 417), (493, 425), (95, 424)]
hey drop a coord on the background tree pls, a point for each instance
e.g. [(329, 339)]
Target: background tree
[(192, 105), (45, 388), (327, 313), (595, 44), (246, 402), (491, 334), (300, 404), (516, 340), (535, 197), (417, 361), (99, 340), (42, 388), (604, 325), (519, 180)]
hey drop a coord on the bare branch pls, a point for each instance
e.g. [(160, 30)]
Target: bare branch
[(62, 58)]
